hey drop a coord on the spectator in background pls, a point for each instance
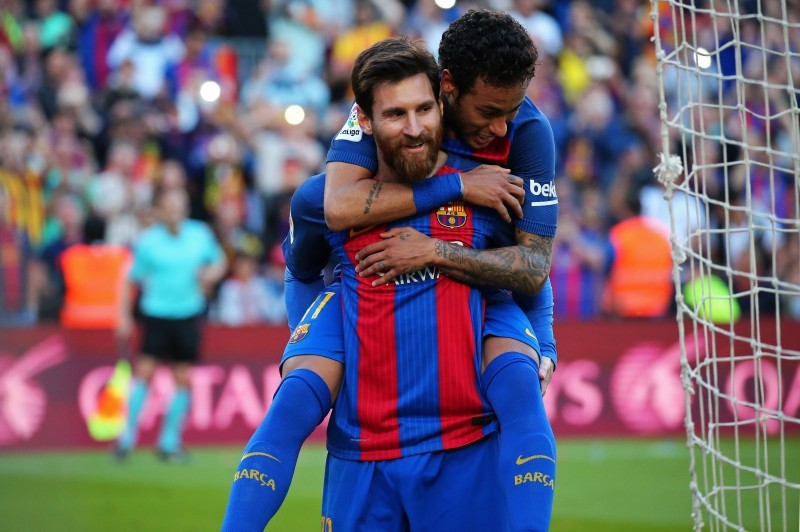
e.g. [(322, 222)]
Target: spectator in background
[(428, 21), (150, 49), (115, 195), (635, 173), (56, 70), (548, 95), (11, 13), (748, 240), (247, 18), (55, 27), (593, 149), (640, 281), (17, 276), (283, 158), (372, 24), (20, 177), (177, 263), (224, 175), (308, 27), (276, 84), (788, 271), (69, 159), (64, 229), (247, 297), (29, 68), (581, 253), (544, 29), (95, 36), (631, 29)]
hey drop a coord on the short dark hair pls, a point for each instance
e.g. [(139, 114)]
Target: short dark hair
[(489, 45), (390, 61), (94, 230)]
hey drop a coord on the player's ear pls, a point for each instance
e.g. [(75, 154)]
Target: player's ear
[(364, 122), (448, 88)]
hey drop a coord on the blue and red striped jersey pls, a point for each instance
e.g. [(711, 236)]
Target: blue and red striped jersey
[(412, 348), (528, 149)]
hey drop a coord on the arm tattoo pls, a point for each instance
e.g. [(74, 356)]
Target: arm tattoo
[(374, 193), (522, 268)]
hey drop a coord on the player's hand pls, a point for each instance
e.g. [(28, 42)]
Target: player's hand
[(546, 369), (402, 250), (494, 187)]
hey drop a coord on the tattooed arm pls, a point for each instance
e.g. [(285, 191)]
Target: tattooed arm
[(522, 268), (353, 199)]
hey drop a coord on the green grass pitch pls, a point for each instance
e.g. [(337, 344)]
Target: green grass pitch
[(603, 485)]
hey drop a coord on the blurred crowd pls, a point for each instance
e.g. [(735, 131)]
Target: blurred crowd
[(105, 101)]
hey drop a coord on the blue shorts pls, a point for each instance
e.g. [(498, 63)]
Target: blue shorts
[(320, 331), (441, 491), (505, 319)]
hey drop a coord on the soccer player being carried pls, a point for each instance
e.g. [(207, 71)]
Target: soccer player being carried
[(410, 401)]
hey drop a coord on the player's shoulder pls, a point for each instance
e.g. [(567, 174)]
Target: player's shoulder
[(530, 127), (312, 190), (529, 114)]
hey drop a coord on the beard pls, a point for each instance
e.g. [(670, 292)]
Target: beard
[(412, 167), (451, 113)]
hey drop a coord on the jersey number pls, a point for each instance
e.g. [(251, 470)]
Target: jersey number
[(317, 305)]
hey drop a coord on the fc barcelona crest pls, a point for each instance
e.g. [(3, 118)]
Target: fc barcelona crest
[(299, 333), (452, 215)]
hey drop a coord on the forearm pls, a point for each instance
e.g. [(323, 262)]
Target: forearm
[(353, 199), (367, 202), (522, 268)]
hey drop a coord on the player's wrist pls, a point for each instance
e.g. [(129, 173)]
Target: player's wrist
[(440, 253), (436, 191)]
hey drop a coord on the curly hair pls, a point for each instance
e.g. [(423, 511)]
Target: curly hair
[(391, 61), (490, 45)]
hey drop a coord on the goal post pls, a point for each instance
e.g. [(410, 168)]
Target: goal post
[(729, 84)]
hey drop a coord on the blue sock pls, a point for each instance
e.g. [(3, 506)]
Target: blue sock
[(527, 445), (169, 440), (263, 476), (136, 400)]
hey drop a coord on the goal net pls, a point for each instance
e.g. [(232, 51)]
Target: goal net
[(729, 82)]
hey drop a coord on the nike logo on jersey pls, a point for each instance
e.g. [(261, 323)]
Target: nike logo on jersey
[(521, 460), (529, 333), (356, 232)]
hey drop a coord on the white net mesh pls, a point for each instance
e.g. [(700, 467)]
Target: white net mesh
[(729, 72)]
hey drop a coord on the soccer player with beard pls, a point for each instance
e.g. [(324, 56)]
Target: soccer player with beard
[(410, 403), (487, 61)]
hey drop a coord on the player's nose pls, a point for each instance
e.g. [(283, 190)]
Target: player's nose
[(498, 127), (412, 127)]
